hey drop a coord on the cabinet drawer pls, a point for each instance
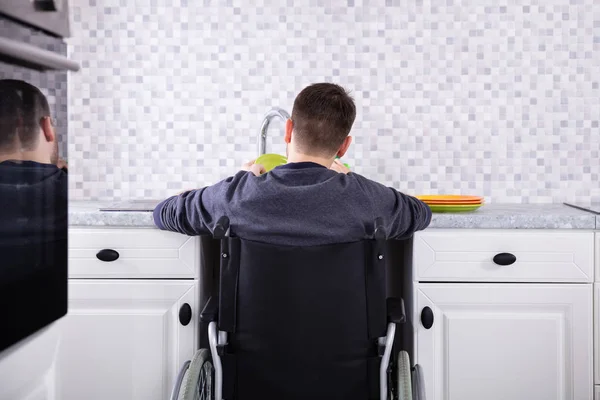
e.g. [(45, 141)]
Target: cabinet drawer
[(142, 253), (597, 393), (468, 255)]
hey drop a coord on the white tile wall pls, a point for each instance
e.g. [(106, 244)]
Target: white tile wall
[(492, 97)]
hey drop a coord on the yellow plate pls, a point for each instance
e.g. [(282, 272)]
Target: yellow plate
[(454, 208), (451, 203), (448, 197)]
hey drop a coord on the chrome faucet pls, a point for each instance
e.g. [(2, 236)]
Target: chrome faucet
[(272, 113)]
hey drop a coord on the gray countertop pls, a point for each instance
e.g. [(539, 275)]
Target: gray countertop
[(490, 216)]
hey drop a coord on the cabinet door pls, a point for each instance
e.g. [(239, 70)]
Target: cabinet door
[(597, 333), (28, 368), (505, 341), (597, 254), (122, 339)]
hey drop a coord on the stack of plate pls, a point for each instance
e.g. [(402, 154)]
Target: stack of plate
[(451, 203)]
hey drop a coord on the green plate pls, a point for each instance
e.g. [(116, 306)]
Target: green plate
[(453, 209), (270, 161)]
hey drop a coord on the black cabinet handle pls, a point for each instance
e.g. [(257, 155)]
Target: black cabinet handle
[(427, 318), (185, 314), (505, 259), (107, 255)]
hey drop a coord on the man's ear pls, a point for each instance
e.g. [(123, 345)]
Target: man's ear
[(289, 128), (344, 147), (48, 129)]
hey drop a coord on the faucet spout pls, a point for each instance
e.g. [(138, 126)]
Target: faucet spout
[(272, 113)]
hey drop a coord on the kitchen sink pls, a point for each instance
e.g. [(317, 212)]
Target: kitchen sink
[(132, 205)]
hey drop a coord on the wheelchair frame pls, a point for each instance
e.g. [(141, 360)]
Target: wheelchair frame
[(217, 339)]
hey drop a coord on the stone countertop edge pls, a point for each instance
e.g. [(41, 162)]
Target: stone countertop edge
[(490, 216)]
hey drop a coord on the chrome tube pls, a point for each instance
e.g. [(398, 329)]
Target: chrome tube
[(272, 113)]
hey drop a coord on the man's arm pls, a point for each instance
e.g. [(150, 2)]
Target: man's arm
[(403, 215), (194, 212), (183, 213)]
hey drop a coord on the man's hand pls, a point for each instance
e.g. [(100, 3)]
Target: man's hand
[(62, 164), (338, 166), (256, 169)]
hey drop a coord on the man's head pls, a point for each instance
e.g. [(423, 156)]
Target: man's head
[(321, 121), (26, 129)]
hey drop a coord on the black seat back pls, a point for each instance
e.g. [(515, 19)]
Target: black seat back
[(303, 321)]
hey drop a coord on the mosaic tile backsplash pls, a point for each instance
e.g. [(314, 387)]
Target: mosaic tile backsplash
[(492, 97), (52, 83)]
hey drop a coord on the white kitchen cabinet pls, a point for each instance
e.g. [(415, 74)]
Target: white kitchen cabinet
[(140, 253), (597, 333), (468, 255), (123, 340), (597, 256), (597, 393), (28, 368), (505, 341)]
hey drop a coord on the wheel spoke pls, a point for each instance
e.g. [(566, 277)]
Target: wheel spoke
[(205, 381)]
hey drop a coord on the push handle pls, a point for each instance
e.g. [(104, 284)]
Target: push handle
[(185, 314), (379, 229), (505, 259), (107, 255), (427, 318), (221, 228), (395, 310), (211, 310)]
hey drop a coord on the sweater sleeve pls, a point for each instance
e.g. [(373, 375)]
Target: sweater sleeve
[(195, 212), (403, 215)]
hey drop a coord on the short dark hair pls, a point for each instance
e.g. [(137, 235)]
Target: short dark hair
[(323, 115), (22, 107)]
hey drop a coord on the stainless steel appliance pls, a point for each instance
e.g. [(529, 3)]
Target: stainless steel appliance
[(52, 16)]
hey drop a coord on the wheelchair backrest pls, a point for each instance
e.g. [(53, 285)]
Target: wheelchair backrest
[(324, 296)]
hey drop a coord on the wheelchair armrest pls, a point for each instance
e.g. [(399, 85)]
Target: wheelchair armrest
[(395, 310), (210, 312)]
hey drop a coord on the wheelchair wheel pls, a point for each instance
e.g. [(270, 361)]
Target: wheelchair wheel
[(404, 377), (198, 382), (418, 383)]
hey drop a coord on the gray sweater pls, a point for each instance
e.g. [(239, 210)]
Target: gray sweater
[(301, 204)]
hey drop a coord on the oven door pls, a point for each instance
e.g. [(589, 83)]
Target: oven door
[(33, 288), (51, 16)]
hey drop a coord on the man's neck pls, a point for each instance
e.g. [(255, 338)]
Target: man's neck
[(298, 157)]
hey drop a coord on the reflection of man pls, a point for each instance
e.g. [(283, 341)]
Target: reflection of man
[(33, 215)]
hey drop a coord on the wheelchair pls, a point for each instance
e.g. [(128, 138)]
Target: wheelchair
[(285, 322)]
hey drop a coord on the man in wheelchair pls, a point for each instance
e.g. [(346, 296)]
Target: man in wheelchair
[(300, 311)]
